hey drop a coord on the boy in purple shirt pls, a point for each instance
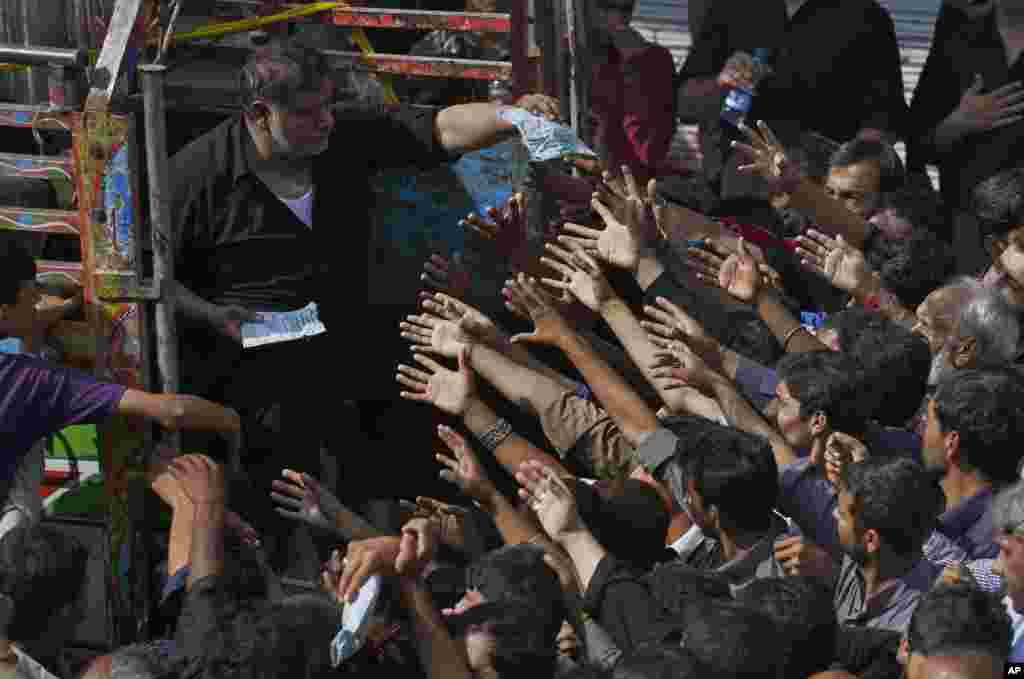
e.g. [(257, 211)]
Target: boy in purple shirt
[(38, 398)]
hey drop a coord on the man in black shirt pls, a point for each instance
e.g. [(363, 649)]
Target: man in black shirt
[(968, 111), (835, 72), (272, 212)]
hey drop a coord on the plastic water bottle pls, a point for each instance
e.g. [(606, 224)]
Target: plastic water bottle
[(740, 100)]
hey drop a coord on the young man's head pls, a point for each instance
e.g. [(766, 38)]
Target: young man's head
[(287, 99), (42, 573), (1008, 523), (630, 520), (886, 509), (976, 426), (731, 483), (19, 293), (732, 641), (516, 574), (895, 361), (916, 206), (819, 393), (984, 333), (860, 171), (956, 621), (507, 639), (912, 267), (803, 608), (999, 205)]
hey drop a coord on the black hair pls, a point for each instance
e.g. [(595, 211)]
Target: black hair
[(896, 498), (986, 408), (959, 620), (278, 72), (735, 472), (16, 267), (912, 267), (656, 661), (678, 587), (261, 640), (919, 204), (42, 571), (830, 383), (517, 573), (141, 661), (731, 641), (631, 524), (999, 202), (895, 361), (803, 607), (893, 176), (524, 641)]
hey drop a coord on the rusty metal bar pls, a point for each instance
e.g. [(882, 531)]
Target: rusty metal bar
[(17, 165), (63, 222), (547, 40), (402, 64), (422, 20)]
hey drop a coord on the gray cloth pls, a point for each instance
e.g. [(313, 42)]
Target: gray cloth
[(891, 608)]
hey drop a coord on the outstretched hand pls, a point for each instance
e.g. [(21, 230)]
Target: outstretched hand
[(464, 469), (523, 296), (300, 497), (766, 156), (449, 391), (678, 367), (550, 498), (838, 262), (738, 274), (670, 323), (581, 277)]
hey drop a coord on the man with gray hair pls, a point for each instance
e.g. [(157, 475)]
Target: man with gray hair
[(272, 213), (968, 325), (1008, 521)]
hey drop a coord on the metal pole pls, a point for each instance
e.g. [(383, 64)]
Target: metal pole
[(547, 40), (153, 76), (577, 17), (39, 55)]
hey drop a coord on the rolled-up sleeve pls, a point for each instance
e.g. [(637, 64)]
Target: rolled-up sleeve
[(756, 382)]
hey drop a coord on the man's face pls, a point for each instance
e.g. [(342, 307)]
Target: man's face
[(850, 537), (303, 129), (480, 646), (1008, 262), (20, 317), (933, 445), (1010, 565), (931, 323), (795, 430), (857, 186)]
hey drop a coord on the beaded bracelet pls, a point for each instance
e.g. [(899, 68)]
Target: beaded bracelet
[(496, 435)]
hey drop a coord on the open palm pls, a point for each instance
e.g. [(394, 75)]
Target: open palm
[(447, 390)]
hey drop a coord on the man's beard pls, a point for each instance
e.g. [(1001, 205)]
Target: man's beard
[(940, 367), (284, 148)]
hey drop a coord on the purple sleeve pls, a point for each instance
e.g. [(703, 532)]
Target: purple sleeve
[(756, 382), (807, 498), (39, 398)]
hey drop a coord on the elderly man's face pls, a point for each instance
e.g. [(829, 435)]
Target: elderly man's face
[(303, 128), (933, 319), (857, 186), (1010, 565)]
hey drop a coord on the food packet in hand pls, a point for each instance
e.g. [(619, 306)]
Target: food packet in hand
[(545, 139)]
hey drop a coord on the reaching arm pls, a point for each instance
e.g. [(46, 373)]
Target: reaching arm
[(180, 411), (467, 127), (742, 415), (514, 450)]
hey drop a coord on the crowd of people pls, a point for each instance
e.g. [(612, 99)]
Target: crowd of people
[(764, 420)]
